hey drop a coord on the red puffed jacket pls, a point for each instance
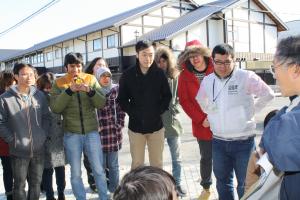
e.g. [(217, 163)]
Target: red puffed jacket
[(188, 86)]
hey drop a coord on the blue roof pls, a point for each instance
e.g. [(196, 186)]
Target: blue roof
[(106, 23), (169, 30)]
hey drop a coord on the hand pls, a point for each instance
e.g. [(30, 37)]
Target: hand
[(205, 123), (84, 88), (74, 87)]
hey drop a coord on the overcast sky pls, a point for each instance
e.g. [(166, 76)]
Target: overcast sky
[(67, 15)]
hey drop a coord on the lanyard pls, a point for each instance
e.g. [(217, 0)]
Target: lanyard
[(215, 98)]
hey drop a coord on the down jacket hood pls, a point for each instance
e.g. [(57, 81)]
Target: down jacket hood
[(184, 56)]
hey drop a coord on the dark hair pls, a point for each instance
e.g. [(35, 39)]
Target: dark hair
[(143, 44), (269, 117), (146, 183), (287, 50), (73, 58), (89, 68), (223, 49), (6, 80), (44, 80), (19, 66)]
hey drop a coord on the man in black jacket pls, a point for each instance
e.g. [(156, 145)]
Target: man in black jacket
[(144, 94)]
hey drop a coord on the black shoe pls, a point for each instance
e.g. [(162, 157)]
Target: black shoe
[(94, 188), (61, 197), (181, 192)]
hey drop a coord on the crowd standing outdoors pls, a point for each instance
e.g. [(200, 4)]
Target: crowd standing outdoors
[(48, 123)]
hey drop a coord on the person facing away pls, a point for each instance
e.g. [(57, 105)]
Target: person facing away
[(24, 125), (95, 64), (144, 94), (281, 138), (76, 96), (147, 183), (165, 60), (111, 121), (196, 63), (253, 170), (6, 80), (54, 153), (227, 96)]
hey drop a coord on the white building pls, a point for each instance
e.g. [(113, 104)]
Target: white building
[(248, 25)]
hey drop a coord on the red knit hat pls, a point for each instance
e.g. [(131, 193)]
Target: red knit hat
[(193, 43)]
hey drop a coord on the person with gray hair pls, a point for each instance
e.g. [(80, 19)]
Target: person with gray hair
[(281, 138)]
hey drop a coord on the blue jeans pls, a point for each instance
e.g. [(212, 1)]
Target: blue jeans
[(110, 161), (229, 156), (174, 146), (90, 143)]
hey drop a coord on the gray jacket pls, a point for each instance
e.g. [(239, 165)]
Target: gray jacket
[(24, 122)]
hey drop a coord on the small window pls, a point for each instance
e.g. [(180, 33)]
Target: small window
[(67, 50), (57, 53), (111, 42), (97, 44), (49, 56)]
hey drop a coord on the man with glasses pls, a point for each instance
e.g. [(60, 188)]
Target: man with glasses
[(227, 96), (281, 138), (24, 124)]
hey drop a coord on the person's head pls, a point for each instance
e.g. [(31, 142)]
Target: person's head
[(145, 53), (146, 183), (286, 65), (223, 58), (269, 117), (24, 74), (95, 64), (165, 60), (44, 82), (6, 80), (103, 76), (195, 56), (73, 63)]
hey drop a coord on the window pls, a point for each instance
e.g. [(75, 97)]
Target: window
[(67, 50), (34, 59), (97, 44), (49, 56), (111, 42), (57, 53)]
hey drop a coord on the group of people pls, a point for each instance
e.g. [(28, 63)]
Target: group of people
[(50, 122)]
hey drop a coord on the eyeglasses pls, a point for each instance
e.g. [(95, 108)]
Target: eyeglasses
[(227, 63), (194, 56), (272, 69)]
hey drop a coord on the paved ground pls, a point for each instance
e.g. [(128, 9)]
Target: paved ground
[(190, 154)]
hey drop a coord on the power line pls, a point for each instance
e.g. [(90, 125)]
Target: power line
[(45, 7)]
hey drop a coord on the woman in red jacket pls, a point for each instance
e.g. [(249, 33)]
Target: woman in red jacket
[(196, 63), (6, 80)]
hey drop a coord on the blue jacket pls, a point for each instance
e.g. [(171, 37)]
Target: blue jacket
[(281, 140)]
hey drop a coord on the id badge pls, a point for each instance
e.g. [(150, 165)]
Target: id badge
[(213, 107)]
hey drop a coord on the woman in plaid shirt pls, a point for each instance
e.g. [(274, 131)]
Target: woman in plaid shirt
[(111, 122)]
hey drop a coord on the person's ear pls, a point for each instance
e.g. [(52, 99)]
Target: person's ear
[(137, 55), (295, 70)]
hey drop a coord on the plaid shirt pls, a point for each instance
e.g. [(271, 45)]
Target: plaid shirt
[(111, 122)]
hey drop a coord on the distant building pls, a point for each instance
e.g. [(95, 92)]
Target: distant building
[(293, 29), (249, 26)]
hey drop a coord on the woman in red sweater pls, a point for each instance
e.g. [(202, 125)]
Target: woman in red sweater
[(195, 62)]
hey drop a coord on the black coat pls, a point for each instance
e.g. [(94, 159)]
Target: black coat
[(144, 97)]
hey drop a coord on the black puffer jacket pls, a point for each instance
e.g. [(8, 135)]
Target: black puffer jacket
[(144, 97)]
